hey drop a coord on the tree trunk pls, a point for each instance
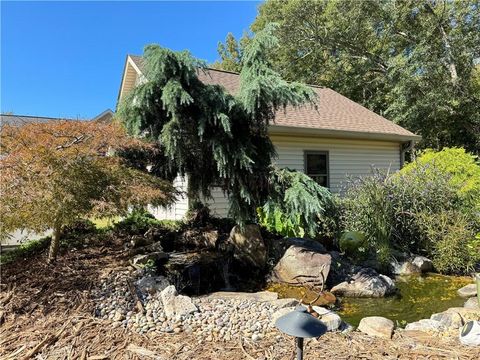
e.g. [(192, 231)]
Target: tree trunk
[(54, 244)]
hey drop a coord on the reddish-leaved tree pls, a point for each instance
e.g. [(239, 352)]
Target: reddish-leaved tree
[(55, 173)]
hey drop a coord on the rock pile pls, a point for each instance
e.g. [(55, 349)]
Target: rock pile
[(221, 316)]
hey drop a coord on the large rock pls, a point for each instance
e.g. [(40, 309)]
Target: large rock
[(331, 319), (376, 326), (405, 268), (468, 291), (199, 238), (472, 303), (248, 245), (151, 284), (302, 265), (427, 325), (365, 283), (451, 320), (176, 305), (423, 263), (466, 313), (470, 334)]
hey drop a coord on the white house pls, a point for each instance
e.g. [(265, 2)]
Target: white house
[(332, 142)]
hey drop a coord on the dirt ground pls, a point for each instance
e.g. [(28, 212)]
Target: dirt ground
[(46, 312)]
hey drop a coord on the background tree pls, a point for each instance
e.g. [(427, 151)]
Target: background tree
[(231, 53), (411, 61), (55, 173), (215, 138)]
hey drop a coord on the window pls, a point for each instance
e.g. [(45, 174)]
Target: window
[(316, 166)]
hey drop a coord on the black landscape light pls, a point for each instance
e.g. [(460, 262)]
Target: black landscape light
[(301, 324)]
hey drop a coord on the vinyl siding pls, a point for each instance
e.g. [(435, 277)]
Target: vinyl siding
[(348, 158), (178, 210)]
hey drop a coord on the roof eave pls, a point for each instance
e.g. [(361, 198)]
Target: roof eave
[(303, 131)]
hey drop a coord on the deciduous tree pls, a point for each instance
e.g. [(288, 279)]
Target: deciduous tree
[(412, 61), (55, 173)]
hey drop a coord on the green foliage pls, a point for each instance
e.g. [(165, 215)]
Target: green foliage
[(450, 241), (412, 61), (353, 244), (462, 167), (367, 210), (25, 250), (427, 208), (214, 138), (139, 221), (231, 53), (295, 204)]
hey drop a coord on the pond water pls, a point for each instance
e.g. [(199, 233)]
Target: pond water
[(418, 297)]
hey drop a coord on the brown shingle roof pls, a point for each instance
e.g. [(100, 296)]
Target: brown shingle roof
[(334, 112)]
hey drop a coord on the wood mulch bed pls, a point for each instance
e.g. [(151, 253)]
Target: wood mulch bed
[(46, 312)]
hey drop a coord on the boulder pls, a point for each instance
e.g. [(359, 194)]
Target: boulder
[(376, 326), (142, 260), (470, 334), (426, 325), (365, 283), (451, 320), (331, 319), (405, 268), (472, 303), (300, 265), (466, 313), (176, 305), (248, 245), (423, 263), (199, 238), (151, 284), (468, 291)]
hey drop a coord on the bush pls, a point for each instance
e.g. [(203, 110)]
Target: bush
[(462, 167), (450, 241), (139, 221), (367, 209), (295, 205), (429, 208), (27, 249)]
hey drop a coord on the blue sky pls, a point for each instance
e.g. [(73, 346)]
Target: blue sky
[(65, 59)]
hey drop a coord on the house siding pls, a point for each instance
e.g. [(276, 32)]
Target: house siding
[(179, 209), (348, 158)]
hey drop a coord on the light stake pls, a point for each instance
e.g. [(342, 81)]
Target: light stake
[(301, 324)]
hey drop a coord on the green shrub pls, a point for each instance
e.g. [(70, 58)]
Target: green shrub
[(367, 209), (462, 167), (409, 210), (449, 239), (296, 205), (27, 249), (137, 222)]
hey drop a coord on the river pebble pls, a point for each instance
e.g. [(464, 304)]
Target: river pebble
[(215, 319)]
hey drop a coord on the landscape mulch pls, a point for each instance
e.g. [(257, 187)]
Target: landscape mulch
[(46, 312)]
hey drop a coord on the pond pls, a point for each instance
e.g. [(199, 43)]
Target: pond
[(418, 297)]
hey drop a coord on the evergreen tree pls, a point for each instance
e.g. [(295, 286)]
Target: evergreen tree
[(213, 137)]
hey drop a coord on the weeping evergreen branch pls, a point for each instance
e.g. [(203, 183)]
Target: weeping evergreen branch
[(295, 203), (213, 137)]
